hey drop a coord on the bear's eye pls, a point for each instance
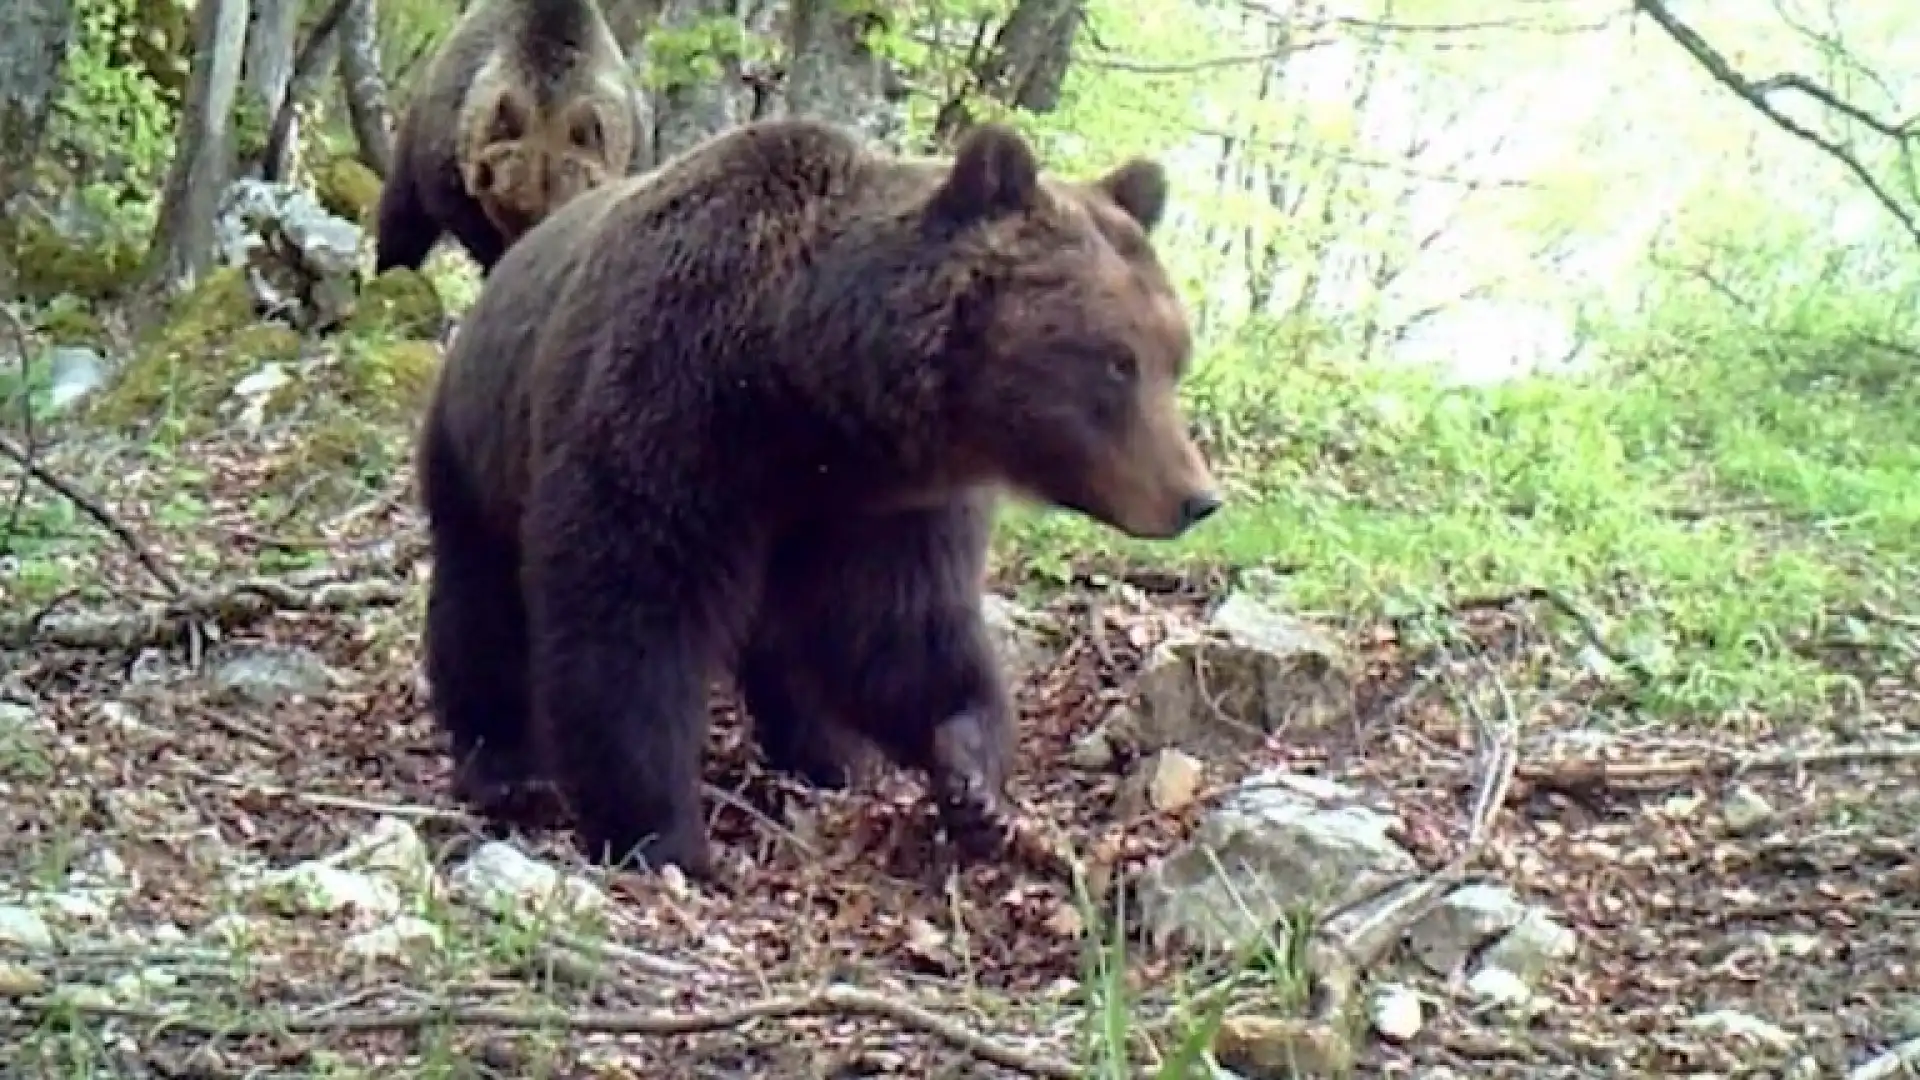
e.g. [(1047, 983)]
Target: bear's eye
[(1121, 367)]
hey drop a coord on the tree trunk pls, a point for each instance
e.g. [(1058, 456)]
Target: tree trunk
[(1025, 67), (33, 43), (697, 106), (316, 60), (365, 86), (832, 75), (203, 152), (268, 72)]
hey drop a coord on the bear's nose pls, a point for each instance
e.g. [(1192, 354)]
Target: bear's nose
[(1197, 508)]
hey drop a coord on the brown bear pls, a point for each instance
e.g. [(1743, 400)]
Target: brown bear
[(753, 410), (525, 105)]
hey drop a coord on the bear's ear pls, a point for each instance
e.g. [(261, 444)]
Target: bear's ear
[(510, 118), (994, 173), (1140, 188)]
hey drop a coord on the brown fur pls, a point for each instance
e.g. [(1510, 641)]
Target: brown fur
[(752, 410), (524, 106)]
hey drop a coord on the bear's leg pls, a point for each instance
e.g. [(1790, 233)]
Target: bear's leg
[(404, 233), (475, 637), (626, 622), (884, 619), (476, 233), (789, 724)]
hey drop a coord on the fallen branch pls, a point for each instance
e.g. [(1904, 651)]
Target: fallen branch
[(833, 1000), (402, 811), (1895, 1062), (1588, 775), (91, 507), (229, 607)]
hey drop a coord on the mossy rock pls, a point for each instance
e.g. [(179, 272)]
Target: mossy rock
[(398, 304), (209, 339), (51, 264), (389, 381), (348, 189)]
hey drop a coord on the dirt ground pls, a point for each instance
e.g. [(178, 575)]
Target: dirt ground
[(1811, 924)]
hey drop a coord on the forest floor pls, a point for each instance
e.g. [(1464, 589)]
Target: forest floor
[(1793, 949)]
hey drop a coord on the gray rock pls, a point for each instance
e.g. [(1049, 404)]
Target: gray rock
[(1272, 845), (498, 873), (266, 674), (75, 372), (1023, 639), (1746, 811), (1534, 944), (23, 928), (302, 261), (1221, 691), (1461, 923)]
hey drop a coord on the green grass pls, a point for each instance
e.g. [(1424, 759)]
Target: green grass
[(1722, 513)]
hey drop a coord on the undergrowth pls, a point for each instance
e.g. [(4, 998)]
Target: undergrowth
[(1731, 515)]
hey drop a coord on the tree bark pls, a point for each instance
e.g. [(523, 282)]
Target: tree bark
[(203, 152), (268, 71), (833, 75), (317, 58), (1025, 67), (365, 86), (33, 44)]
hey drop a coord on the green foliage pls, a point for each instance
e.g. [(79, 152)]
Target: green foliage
[(122, 79), (88, 261), (699, 52)]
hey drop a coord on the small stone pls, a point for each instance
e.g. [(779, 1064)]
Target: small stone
[(1396, 1013), (1736, 1024), (404, 936), (1066, 922), (1746, 811), (84, 996), (1270, 1048), (17, 980), (1092, 752), (21, 927), (1498, 986), (1174, 781), (319, 888)]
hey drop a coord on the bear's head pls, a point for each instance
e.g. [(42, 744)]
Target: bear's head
[(523, 165), (1071, 340)]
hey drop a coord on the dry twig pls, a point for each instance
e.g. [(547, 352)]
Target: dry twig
[(230, 607), (1590, 774), (832, 1000)]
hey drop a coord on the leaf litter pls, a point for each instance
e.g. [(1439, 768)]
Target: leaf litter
[(1807, 925)]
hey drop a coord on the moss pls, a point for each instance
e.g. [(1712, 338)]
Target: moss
[(346, 453), (51, 264), (68, 321), (251, 127), (390, 381), (188, 364), (347, 188), (398, 304)]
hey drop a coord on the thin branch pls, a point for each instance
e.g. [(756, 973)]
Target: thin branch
[(90, 506), (832, 1000), (27, 432), (1754, 94)]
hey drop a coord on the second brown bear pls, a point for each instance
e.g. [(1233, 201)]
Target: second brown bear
[(752, 409), (527, 104)]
